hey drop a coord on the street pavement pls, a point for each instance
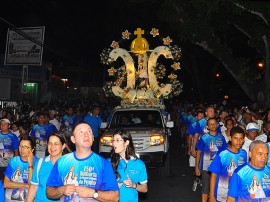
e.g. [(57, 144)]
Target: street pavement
[(175, 185)]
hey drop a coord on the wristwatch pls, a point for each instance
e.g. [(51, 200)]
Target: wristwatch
[(95, 195)]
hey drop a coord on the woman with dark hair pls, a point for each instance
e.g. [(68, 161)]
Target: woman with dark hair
[(19, 171), (56, 147), (129, 170)]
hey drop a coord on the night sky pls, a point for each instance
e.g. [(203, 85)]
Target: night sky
[(77, 32)]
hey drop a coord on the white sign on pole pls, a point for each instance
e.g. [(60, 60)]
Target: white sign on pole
[(24, 46)]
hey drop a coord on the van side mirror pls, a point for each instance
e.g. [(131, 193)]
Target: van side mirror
[(169, 124), (104, 125)]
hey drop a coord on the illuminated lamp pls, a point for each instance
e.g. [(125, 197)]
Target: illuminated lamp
[(260, 65)]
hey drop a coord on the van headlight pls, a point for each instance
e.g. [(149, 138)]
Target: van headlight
[(106, 140), (156, 139)]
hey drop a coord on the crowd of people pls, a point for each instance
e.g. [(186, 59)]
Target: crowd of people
[(48, 155), (228, 149), (51, 153)]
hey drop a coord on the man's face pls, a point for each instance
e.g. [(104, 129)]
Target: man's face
[(212, 125), (4, 126), (258, 156), (51, 115), (96, 111), (70, 111), (247, 119), (210, 112), (237, 140), (83, 136), (252, 135), (41, 120), (223, 114)]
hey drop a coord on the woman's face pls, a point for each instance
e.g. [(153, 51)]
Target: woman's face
[(229, 125), (119, 145), (22, 131), (25, 148), (55, 147)]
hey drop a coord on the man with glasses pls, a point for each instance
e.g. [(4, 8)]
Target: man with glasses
[(8, 146)]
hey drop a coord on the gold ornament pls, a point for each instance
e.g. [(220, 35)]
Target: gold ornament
[(140, 44)]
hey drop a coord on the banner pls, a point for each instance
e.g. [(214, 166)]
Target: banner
[(24, 46)]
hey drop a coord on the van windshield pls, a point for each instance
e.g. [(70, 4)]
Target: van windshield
[(136, 118)]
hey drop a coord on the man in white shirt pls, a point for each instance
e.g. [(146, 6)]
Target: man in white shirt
[(53, 120)]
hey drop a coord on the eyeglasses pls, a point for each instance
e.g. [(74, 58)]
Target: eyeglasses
[(54, 144), (24, 147), (117, 141)]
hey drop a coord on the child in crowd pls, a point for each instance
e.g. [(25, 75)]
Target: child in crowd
[(224, 164)]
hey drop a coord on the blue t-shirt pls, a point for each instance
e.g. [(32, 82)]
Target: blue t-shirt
[(2, 191), (210, 145), (223, 166), (191, 119), (69, 122), (250, 184), (17, 171), (41, 134), (52, 127), (8, 144), (93, 171), (40, 179), (94, 122), (268, 162), (136, 170), (200, 127), (191, 128)]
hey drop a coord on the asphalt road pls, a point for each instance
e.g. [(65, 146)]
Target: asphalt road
[(175, 185)]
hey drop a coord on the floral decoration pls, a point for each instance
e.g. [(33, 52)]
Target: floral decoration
[(126, 34), (148, 83), (176, 65), (114, 44), (154, 32), (167, 40), (112, 71)]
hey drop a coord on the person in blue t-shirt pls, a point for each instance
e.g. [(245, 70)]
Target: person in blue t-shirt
[(82, 175), (190, 134), (207, 148), (251, 182), (200, 128), (19, 171), (69, 120), (57, 146), (2, 191), (41, 132), (94, 121), (8, 146), (224, 164), (130, 171)]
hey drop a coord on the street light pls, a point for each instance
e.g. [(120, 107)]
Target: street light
[(260, 65), (65, 82)]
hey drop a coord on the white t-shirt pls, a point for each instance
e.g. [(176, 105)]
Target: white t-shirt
[(262, 137), (246, 144)]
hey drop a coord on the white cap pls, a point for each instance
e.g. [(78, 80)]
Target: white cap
[(6, 120), (251, 127)]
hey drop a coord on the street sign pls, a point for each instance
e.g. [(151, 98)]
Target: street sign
[(24, 46)]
